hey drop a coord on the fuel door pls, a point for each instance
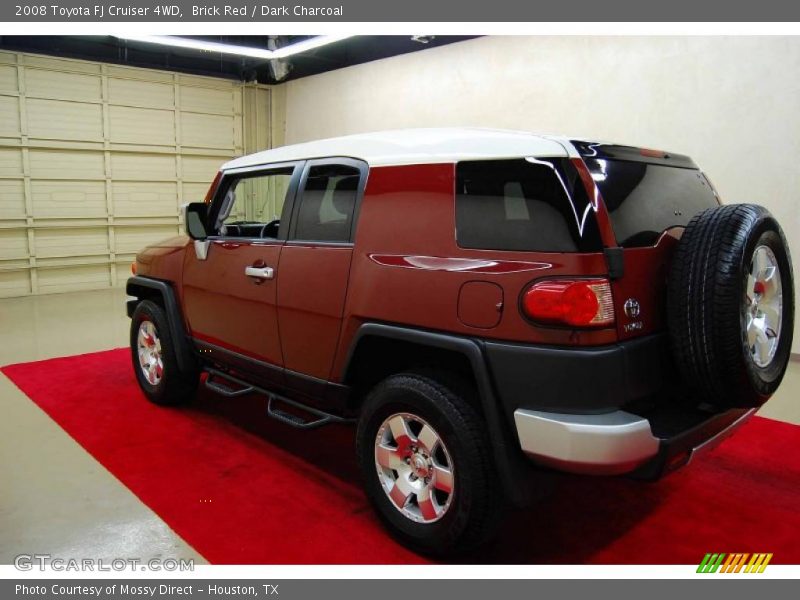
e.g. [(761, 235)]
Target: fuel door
[(480, 304)]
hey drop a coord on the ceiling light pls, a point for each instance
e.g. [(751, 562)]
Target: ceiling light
[(309, 44), (181, 42)]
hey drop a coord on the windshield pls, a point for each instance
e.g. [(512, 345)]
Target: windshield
[(645, 199)]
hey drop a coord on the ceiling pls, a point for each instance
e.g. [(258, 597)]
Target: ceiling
[(344, 53)]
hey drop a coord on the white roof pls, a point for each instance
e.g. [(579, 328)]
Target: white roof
[(415, 146)]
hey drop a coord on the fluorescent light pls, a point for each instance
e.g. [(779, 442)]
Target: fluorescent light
[(309, 44), (180, 42)]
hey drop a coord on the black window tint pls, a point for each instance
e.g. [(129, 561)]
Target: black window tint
[(327, 204), (644, 200), (521, 205)]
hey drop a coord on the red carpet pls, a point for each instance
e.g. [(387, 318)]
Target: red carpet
[(242, 489)]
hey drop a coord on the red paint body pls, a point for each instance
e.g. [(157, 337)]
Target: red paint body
[(227, 309), (403, 268)]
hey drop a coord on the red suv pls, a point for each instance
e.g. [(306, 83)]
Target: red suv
[(483, 304)]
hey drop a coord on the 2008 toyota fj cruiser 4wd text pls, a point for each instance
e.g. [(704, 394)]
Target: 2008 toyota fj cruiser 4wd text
[(478, 301)]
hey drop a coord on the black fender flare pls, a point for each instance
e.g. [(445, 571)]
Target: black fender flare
[(143, 287), (512, 467)]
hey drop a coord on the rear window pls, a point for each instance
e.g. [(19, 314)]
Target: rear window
[(523, 205), (644, 199)]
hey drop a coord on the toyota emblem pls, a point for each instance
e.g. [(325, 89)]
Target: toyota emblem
[(632, 308)]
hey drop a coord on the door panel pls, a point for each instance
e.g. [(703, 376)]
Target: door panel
[(311, 294), (640, 294), (315, 264), (227, 308), (230, 297)]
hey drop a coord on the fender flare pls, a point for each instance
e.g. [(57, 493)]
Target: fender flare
[(512, 466), (184, 354)]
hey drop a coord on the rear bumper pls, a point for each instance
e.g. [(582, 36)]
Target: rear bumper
[(575, 380), (617, 442), (604, 410)]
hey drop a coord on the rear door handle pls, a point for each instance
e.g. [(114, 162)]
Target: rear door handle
[(260, 272)]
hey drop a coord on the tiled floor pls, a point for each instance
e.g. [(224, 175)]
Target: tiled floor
[(54, 497)]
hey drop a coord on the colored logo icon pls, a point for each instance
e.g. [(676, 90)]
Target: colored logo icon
[(734, 563)]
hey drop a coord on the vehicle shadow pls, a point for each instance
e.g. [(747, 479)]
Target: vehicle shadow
[(575, 518)]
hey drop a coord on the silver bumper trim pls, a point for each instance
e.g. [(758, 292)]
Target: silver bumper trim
[(607, 444), (721, 436)]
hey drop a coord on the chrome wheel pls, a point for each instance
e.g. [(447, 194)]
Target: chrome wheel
[(414, 467), (148, 347), (763, 309)]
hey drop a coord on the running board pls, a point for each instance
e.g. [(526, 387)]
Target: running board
[(224, 390), (319, 417)]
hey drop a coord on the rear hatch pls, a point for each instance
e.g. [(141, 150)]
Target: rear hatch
[(650, 197)]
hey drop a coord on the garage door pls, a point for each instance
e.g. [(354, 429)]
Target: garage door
[(95, 161)]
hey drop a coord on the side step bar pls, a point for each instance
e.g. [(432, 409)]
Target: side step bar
[(220, 388), (322, 418), (216, 383)]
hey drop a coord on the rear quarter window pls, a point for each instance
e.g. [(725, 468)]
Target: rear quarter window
[(523, 205)]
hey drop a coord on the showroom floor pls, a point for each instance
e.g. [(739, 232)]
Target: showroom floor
[(95, 515), (54, 497)]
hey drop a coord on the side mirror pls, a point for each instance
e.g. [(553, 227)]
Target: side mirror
[(194, 220)]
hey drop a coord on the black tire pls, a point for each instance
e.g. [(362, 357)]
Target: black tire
[(476, 504), (706, 305), (175, 386)]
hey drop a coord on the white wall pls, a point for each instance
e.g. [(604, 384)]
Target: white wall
[(732, 103)]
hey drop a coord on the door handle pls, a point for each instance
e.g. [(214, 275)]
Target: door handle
[(260, 272)]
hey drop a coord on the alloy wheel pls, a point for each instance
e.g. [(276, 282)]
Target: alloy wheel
[(414, 467), (763, 306), (148, 347)]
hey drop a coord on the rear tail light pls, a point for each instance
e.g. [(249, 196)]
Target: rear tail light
[(572, 302)]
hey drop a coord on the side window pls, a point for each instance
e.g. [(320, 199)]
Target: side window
[(327, 203), (252, 204), (518, 205)]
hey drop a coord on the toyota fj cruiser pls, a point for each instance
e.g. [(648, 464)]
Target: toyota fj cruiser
[(478, 302)]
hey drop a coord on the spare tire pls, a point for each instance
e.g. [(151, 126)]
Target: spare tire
[(730, 305)]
